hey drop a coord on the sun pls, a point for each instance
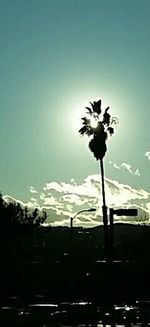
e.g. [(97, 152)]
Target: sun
[(93, 122), (78, 112)]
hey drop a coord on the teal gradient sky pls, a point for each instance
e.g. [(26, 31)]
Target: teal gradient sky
[(55, 56)]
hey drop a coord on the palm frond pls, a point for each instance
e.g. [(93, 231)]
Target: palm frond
[(83, 130), (89, 110), (110, 130), (85, 121), (86, 128), (96, 106), (114, 121), (106, 117), (90, 131)]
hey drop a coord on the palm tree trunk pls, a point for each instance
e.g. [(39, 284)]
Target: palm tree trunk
[(104, 210)]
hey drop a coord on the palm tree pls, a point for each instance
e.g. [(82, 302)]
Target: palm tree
[(99, 129)]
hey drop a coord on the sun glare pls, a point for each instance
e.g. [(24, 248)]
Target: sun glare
[(80, 111), (93, 122), (77, 113)]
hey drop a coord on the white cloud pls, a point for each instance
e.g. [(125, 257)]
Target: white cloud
[(126, 166), (147, 154), (114, 165), (53, 186), (88, 194), (31, 204), (137, 172), (34, 201), (62, 200), (9, 198), (75, 199), (33, 190), (72, 180)]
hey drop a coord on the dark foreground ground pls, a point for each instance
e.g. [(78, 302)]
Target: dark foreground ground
[(41, 314), (55, 276)]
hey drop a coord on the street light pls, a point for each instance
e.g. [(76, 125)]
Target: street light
[(84, 210)]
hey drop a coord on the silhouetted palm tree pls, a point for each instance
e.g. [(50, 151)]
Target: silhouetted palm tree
[(99, 129)]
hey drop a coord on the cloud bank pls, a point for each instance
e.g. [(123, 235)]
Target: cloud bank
[(62, 200)]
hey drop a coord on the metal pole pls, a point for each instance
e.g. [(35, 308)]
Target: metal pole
[(104, 210), (111, 236), (71, 222), (111, 265), (71, 225)]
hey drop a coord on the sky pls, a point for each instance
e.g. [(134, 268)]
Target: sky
[(56, 56)]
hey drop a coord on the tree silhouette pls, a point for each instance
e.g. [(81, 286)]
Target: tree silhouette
[(13, 214), (99, 129)]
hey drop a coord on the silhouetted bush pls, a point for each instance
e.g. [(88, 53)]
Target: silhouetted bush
[(13, 214)]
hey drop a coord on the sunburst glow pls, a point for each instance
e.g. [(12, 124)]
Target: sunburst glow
[(76, 114), (93, 122)]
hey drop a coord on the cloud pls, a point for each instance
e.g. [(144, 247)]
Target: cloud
[(147, 154), (129, 169), (63, 200), (31, 204), (126, 166), (74, 198), (32, 190), (137, 172), (114, 165)]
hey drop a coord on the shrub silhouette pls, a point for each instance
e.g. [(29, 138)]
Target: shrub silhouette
[(12, 214)]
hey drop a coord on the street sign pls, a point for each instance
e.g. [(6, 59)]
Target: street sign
[(125, 212)]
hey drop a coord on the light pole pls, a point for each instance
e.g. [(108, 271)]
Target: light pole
[(71, 250), (84, 210)]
